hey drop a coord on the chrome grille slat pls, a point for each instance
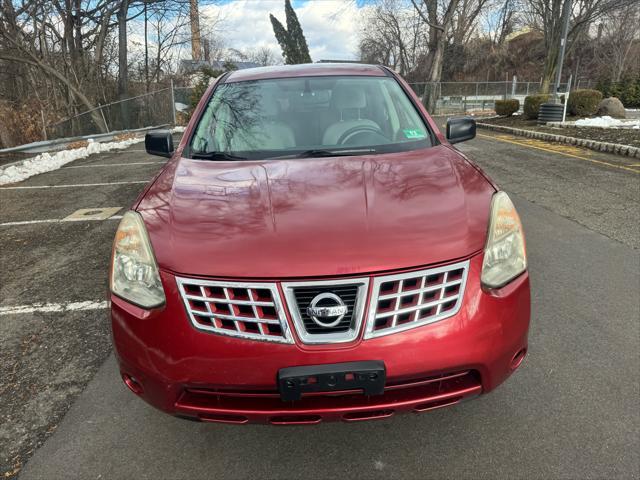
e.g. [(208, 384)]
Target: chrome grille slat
[(435, 308), (420, 290), (250, 324), (229, 301), (418, 307), (236, 318)]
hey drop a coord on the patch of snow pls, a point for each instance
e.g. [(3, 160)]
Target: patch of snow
[(46, 162), (181, 107), (606, 122), (178, 129)]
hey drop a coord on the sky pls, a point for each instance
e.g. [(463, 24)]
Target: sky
[(330, 26)]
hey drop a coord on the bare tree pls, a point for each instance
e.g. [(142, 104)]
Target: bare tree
[(168, 32), (619, 31), (465, 21), (546, 16), (502, 21), (392, 35), (263, 56), (56, 39), (438, 16)]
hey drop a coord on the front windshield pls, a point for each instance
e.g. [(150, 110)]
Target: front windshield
[(309, 116)]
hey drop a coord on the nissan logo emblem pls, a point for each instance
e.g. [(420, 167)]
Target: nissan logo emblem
[(327, 309)]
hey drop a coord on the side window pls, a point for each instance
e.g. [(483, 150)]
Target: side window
[(201, 137), (391, 111), (411, 125)]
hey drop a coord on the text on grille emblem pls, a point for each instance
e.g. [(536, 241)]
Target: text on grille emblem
[(327, 309)]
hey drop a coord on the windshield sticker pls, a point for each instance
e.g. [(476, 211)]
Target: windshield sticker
[(413, 134)]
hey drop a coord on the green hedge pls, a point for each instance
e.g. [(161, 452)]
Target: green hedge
[(506, 108), (584, 102), (532, 105), (627, 90)]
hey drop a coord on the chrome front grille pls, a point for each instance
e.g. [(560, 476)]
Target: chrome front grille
[(352, 294), (403, 301), (255, 310), (248, 310)]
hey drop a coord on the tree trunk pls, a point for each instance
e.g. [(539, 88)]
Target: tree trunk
[(435, 73), (552, 34), (550, 67), (123, 66)]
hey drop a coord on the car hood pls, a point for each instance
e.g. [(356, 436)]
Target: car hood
[(316, 216)]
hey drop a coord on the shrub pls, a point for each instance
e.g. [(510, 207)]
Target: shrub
[(506, 108), (21, 122), (627, 90), (584, 102), (532, 105), (612, 107)]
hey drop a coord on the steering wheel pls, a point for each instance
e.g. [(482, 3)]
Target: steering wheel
[(358, 130)]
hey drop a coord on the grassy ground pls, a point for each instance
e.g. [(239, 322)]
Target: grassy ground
[(624, 136)]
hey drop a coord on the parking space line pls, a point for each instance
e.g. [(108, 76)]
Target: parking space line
[(75, 185), (54, 307), (538, 147), (113, 164), (57, 220)]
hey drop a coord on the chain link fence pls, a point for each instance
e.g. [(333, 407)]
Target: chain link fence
[(172, 106), (466, 97), (151, 109)]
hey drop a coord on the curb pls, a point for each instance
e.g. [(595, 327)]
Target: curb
[(616, 148)]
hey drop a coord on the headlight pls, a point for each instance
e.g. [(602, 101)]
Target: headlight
[(134, 271), (505, 254)]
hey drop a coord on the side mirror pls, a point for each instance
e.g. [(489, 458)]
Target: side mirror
[(461, 129), (159, 142)]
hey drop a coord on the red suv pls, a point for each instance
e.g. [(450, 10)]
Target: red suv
[(316, 250)]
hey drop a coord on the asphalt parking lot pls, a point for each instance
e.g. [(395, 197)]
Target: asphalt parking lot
[(571, 411)]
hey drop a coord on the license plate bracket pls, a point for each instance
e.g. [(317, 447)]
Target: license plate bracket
[(368, 376)]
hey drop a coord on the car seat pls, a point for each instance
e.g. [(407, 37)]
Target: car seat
[(267, 132), (349, 101)]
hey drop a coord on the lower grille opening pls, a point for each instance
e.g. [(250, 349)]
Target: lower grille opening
[(417, 394), (425, 407), (295, 420), (360, 416), (238, 419)]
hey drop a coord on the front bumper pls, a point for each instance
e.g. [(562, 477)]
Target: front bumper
[(209, 377)]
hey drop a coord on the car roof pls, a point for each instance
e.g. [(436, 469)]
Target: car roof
[(305, 70)]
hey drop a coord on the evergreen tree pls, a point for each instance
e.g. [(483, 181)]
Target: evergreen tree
[(292, 41)]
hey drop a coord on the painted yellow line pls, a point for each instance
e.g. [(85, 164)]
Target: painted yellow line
[(558, 151)]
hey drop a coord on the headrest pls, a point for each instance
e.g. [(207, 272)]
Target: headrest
[(348, 96)]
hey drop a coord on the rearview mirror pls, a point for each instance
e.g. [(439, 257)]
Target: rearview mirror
[(159, 142), (461, 129)]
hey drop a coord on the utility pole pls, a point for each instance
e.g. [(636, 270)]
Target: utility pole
[(123, 66), (566, 15), (146, 49), (195, 30)]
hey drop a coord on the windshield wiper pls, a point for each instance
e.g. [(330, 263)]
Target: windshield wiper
[(216, 156), (328, 153)]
